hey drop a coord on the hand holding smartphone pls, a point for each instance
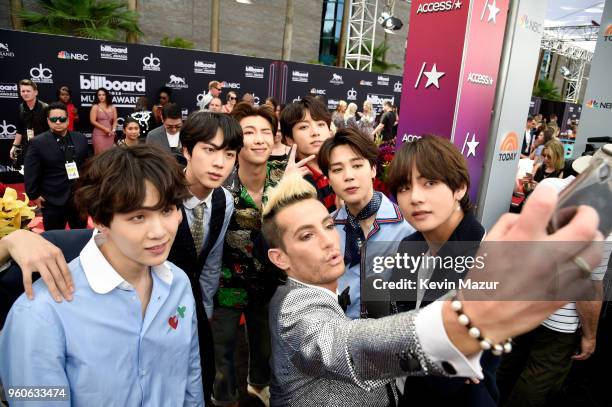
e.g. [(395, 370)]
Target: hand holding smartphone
[(593, 187)]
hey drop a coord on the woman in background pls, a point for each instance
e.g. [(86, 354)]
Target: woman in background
[(103, 118), (64, 95), (131, 131), (164, 96), (366, 121), (338, 115), (349, 116), (143, 116), (230, 102)]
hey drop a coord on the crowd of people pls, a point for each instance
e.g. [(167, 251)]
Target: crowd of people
[(268, 215)]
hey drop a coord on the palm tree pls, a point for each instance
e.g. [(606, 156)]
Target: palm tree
[(346, 14), (546, 89), (378, 59), (132, 37), (101, 19), (16, 9), (215, 10), (288, 32)]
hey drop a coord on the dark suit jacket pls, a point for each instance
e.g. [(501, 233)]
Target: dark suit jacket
[(70, 242), (158, 137), (45, 170), (464, 241)]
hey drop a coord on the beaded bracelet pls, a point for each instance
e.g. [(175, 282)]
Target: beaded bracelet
[(485, 344)]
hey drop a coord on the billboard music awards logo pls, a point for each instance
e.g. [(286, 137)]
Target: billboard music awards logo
[(438, 6), (72, 56), (382, 80), (509, 147), (5, 51), (336, 79), (351, 94), (332, 104), (113, 52), (378, 100), (205, 67), (40, 74), (125, 89), (151, 63), (594, 104), (7, 130), (608, 33), (177, 82), (528, 24), (299, 76), (9, 91), (256, 72)]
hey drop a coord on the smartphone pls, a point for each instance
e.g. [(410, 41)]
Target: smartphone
[(593, 187)]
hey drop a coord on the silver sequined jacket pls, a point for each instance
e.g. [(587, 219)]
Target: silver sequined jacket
[(322, 358)]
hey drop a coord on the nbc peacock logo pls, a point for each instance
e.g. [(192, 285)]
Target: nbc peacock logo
[(591, 104), (508, 149)]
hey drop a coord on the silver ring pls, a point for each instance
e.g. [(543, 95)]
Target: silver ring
[(583, 266)]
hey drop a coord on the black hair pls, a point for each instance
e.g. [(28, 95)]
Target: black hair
[(56, 106), (171, 111), (296, 111), (202, 126)]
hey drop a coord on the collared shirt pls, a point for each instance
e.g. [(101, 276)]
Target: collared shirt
[(100, 346), (209, 278), (243, 278), (35, 119), (388, 229)]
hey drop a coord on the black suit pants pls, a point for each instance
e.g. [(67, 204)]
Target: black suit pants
[(56, 217)]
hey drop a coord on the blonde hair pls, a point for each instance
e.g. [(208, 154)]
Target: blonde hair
[(555, 148), (291, 189), (341, 103), (370, 115), (350, 111)]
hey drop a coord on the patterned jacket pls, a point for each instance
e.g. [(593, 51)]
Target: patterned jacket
[(320, 357)]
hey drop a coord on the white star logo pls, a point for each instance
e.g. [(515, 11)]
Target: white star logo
[(471, 145), (433, 76), (493, 11), (457, 5)]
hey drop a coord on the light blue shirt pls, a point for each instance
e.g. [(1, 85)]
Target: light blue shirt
[(100, 345), (211, 271), (387, 231)]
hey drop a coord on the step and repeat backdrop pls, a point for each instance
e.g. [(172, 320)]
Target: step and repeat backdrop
[(130, 71)]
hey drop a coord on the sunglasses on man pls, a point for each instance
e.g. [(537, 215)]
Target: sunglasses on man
[(55, 119)]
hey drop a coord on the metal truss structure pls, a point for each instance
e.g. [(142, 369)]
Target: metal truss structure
[(559, 40), (361, 32), (573, 32)]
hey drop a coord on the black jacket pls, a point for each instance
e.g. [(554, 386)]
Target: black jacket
[(45, 166), (439, 391)]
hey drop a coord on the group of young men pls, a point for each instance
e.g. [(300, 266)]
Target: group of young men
[(275, 244)]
